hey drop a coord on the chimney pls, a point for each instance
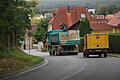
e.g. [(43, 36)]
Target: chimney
[(68, 9)]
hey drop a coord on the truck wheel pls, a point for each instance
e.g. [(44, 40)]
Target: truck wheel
[(87, 55), (53, 53), (105, 54), (76, 53), (84, 55), (57, 53), (50, 53), (99, 55)]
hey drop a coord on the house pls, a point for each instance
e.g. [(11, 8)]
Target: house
[(38, 16), (48, 15), (109, 16), (92, 11), (115, 22), (29, 38), (100, 26), (68, 18), (99, 16), (36, 19)]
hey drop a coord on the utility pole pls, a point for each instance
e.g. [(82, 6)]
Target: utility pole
[(29, 35), (29, 44)]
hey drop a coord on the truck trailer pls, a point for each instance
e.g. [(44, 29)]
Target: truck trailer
[(63, 42), (96, 44)]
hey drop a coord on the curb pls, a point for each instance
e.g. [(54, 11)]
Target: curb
[(22, 71)]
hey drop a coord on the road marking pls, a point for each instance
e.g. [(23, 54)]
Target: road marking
[(84, 65)]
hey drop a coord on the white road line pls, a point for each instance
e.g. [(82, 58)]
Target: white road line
[(84, 65)]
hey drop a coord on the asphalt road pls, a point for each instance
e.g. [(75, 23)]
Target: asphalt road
[(74, 67)]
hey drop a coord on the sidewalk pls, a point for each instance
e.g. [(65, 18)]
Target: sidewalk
[(34, 52)]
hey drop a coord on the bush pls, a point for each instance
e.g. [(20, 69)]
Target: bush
[(43, 49), (82, 41), (81, 44), (114, 34), (114, 42)]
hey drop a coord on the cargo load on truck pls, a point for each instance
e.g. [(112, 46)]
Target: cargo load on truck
[(96, 44), (60, 42)]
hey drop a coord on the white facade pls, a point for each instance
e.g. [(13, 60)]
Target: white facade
[(91, 10)]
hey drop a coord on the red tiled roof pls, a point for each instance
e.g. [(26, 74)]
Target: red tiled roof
[(110, 16), (69, 19), (99, 24), (63, 17), (99, 17), (116, 20)]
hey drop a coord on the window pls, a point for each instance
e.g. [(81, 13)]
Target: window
[(63, 27), (82, 15)]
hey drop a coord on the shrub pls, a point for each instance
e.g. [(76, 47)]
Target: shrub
[(81, 44), (43, 49), (114, 42)]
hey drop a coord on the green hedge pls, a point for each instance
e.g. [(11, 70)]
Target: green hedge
[(114, 34), (114, 43), (81, 44)]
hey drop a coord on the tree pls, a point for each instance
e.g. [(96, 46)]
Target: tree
[(14, 20), (84, 28), (6, 22), (40, 11), (41, 34), (107, 9), (35, 20)]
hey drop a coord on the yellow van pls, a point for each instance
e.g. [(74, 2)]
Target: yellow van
[(96, 44)]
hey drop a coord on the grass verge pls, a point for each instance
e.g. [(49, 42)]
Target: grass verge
[(16, 60)]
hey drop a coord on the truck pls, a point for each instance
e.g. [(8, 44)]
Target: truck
[(62, 42), (96, 44)]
